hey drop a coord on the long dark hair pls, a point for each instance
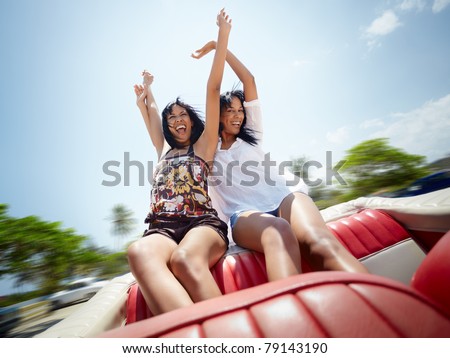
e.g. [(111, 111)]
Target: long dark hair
[(246, 134), (198, 124)]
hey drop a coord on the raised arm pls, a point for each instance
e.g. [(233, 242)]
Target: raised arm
[(150, 113), (243, 73), (207, 143)]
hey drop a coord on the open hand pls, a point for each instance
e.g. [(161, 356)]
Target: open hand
[(223, 20), (207, 48), (147, 78)]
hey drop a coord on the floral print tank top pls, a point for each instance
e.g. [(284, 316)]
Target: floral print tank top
[(180, 187)]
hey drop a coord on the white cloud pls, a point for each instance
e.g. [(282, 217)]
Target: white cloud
[(388, 22), (381, 26), (339, 136), (424, 131), (440, 5), (418, 5), (370, 123)]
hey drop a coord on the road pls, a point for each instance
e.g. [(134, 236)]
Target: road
[(30, 328)]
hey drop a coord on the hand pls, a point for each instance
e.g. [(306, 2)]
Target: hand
[(207, 48), (141, 94), (147, 78), (223, 20)]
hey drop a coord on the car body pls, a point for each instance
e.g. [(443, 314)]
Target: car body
[(404, 243), (77, 291)]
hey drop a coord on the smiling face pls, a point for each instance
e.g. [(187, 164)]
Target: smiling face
[(232, 117), (180, 125)]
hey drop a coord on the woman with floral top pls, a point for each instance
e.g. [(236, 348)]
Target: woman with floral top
[(172, 261)]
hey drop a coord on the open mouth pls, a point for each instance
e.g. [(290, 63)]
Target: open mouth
[(236, 123), (180, 129)]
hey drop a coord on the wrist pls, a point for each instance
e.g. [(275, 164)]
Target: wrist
[(224, 30)]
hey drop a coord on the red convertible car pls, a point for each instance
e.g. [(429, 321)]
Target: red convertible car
[(404, 242)]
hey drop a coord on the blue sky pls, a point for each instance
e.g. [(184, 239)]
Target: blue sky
[(330, 74)]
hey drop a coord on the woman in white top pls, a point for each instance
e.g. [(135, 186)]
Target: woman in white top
[(247, 189)]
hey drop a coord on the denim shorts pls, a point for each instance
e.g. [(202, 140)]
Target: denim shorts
[(236, 215), (176, 227)]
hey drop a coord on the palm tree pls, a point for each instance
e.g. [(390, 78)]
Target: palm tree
[(122, 222)]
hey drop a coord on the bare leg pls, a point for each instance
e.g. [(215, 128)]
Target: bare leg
[(272, 236), (200, 249), (317, 243), (148, 259)]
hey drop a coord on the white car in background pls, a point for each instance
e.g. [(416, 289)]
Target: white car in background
[(77, 291)]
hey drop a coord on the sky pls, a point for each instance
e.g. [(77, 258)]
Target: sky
[(330, 74)]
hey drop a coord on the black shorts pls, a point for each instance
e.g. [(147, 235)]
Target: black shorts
[(177, 227)]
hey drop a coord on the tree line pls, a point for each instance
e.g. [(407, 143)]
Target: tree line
[(45, 254), (372, 167)]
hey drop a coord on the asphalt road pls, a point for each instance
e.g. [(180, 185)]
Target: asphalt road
[(30, 328)]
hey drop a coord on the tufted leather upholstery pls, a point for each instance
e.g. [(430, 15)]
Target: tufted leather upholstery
[(367, 232)]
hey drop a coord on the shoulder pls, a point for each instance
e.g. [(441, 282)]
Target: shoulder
[(253, 103)]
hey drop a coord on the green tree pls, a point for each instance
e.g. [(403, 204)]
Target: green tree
[(42, 253), (114, 264), (122, 221), (374, 165)]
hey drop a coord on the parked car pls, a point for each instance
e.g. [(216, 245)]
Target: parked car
[(77, 291), (436, 181), (432, 182)]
